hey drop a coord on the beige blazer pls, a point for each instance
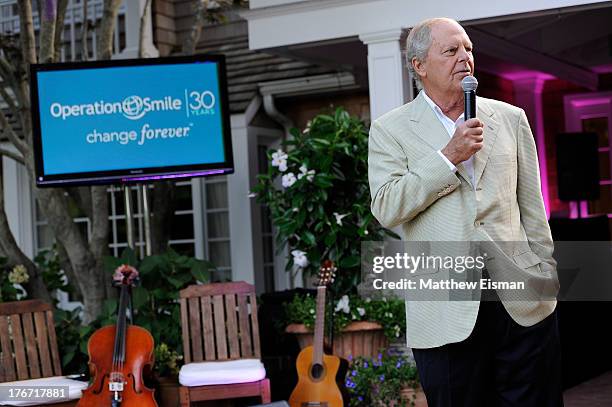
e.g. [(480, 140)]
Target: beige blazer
[(412, 187)]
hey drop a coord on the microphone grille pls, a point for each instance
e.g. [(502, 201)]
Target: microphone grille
[(469, 83)]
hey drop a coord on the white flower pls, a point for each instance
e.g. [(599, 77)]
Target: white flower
[(365, 232), (307, 129), (343, 305), (295, 210), (361, 311), (304, 172), (19, 275), (368, 299), (279, 159), (252, 195), (288, 179), (339, 217), (312, 311), (397, 331), (388, 315), (299, 258)]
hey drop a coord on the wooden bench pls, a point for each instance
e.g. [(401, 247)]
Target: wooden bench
[(28, 344)]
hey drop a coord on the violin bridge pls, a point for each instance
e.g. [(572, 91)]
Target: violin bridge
[(115, 386)]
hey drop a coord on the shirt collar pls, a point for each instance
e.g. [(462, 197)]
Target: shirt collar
[(437, 109)]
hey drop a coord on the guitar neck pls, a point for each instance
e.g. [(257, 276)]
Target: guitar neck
[(319, 327)]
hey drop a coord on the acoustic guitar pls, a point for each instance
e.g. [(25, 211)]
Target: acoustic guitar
[(317, 372)]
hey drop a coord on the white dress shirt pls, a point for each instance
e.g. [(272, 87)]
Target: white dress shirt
[(450, 127)]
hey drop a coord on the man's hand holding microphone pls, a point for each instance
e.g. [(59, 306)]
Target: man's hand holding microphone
[(468, 138)]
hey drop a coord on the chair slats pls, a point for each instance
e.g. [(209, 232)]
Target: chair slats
[(195, 329), (236, 287), (232, 326), (57, 367), (20, 357), (220, 328), (219, 322), (245, 332), (23, 307), (255, 326), (28, 341), (225, 324), (185, 331), (209, 330), (7, 365), (42, 338), (32, 349)]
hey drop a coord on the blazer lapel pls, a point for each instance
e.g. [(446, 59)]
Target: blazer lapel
[(491, 128), (429, 129)]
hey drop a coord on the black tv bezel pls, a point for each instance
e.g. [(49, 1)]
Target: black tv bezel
[(132, 175)]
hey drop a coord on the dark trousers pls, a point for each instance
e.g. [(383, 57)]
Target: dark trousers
[(501, 364)]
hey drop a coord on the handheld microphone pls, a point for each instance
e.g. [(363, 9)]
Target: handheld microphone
[(469, 85)]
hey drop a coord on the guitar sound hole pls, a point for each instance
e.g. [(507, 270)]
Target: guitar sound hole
[(317, 371)]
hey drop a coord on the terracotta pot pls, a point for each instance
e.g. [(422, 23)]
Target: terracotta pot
[(167, 393), (357, 338), (416, 396)]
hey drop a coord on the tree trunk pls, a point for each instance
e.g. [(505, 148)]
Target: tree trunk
[(199, 13), (59, 28), (105, 43), (162, 207), (35, 287), (47, 31)]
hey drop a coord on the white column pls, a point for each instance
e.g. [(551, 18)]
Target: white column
[(240, 210), (133, 13), (387, 73), (528, 95)]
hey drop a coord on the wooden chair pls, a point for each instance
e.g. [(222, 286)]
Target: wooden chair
[(219, 323), (28, 345)]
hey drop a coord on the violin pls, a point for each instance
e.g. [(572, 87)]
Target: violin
[(119, 355)]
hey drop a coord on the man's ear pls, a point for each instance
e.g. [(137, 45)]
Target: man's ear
[(419, 67)]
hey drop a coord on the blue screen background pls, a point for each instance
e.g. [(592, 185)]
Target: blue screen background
[(64, 142)]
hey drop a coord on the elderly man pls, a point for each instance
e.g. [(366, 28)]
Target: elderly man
[(443, 178)]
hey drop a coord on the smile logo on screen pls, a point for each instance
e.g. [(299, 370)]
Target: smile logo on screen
[(133, 107)]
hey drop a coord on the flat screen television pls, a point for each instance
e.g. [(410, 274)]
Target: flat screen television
[(135, 120)]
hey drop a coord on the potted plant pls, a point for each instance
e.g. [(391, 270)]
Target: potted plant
[(388, 379), (317, 192), (167, 366), (362, 326)]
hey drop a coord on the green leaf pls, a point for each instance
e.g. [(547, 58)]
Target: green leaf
[(322, 181), (330, 239), (177, 283), (200, 271), (308, 238), (140, 297), (321, 141), (128, 256), (350, 262)]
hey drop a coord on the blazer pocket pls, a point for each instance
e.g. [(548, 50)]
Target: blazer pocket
[(527, 259)]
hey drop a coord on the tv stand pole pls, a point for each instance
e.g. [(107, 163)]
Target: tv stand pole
[(129, 216), (147, 219)]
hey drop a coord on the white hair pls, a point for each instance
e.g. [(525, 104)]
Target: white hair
[(418, 43)]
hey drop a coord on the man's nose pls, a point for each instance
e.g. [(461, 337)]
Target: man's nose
[(463, 55)]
